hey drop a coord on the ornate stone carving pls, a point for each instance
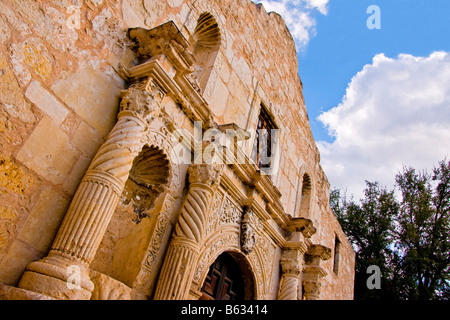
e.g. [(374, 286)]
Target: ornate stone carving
[(313, 272), (291, 267), (178, 268), (248, 235), (230, 213), (193, 218), (288, 288), (312, 282), (177, 271), (93, 204), (206, 174), (216, 208), (107, 288), (158, 234), (227, 241), (291, 262), (136, 99), (191, 224)]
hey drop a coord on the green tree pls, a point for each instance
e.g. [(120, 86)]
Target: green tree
[(369, 227), (423, 233), (408, 239)]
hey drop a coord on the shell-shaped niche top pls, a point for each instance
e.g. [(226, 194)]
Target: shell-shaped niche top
[(207, 32), (150, 168)]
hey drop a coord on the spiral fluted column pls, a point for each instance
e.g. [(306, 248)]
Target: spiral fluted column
[(179, 265), (291, 268), (92, 207)]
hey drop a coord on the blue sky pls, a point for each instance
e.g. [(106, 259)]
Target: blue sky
[(343, 45), (377, 100)]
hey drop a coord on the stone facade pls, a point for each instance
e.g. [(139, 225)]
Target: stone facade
[(108, 109)]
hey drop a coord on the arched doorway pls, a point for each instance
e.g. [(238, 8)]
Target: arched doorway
[(225, 280)]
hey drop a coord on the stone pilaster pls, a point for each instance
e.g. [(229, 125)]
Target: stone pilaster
[(93, 205), (179, 265), (313, 272)]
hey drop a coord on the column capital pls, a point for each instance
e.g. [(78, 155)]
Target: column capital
[(317, 253), (140, 99), (291, 261), (205, 174)]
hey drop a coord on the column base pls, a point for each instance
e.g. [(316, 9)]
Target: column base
[(58, 278)]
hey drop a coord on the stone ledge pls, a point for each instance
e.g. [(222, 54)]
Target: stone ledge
[(13, 293)]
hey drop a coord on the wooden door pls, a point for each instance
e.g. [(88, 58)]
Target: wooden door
[(224, 280)]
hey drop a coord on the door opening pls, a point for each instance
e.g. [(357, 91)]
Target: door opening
[(224, 280)]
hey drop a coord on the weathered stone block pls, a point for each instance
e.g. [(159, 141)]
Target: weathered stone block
[(7, 221), (49, 152), (86, 139), (70, 184), (219, 98), (5, 33), (46, 102), (15, 261), (13, 177), (11, 96), (43, 221), (93, 96), (31, 55)]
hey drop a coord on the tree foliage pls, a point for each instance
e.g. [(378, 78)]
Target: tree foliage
[(407, 237)]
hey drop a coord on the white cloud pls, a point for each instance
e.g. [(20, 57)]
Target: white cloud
[(321, 5), (396, 112), (298, 16)]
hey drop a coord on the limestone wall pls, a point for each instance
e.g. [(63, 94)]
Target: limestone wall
[(59, 97)]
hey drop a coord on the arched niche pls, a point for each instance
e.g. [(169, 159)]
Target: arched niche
[(305, 194), (205, 43), (126, 240)]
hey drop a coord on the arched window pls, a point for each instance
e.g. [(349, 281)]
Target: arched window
[(305, 196), (205, 43)]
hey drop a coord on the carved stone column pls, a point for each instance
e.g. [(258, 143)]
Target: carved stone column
[(313, 272), (93, 205), (291, 268), (178, 269), (312, 282)]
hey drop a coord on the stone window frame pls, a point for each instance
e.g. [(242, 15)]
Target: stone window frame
[(336, 254), (268, 120)]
